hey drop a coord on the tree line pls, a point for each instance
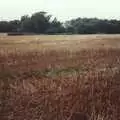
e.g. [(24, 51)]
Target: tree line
[(43, 23)]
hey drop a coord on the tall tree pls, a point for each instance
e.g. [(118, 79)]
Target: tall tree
[(26, 24), (55, 27), (40, 22)]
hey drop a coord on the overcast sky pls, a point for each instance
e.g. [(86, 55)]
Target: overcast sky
[(62, 9)]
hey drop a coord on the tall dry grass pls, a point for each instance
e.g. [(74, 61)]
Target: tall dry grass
[(60, 85)]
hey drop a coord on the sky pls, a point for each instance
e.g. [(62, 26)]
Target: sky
[(62, 9)]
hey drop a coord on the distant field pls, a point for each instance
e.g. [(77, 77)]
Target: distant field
[(60, 77), (72, 42)]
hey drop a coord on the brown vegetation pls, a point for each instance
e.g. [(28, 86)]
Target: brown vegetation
[(60, 85)]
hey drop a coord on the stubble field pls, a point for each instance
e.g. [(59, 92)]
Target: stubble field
[(60, 77)]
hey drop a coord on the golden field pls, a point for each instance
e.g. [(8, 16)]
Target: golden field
[(60, 77), (56, 42)]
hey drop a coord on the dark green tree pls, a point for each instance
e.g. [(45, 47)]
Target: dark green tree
[(26, 24), (40, 21), (55, 27)]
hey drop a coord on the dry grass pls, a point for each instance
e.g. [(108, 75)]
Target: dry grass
[(60, 84), (53, 42)]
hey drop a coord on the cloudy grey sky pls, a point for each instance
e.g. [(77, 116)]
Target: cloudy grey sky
[(62, 9)]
